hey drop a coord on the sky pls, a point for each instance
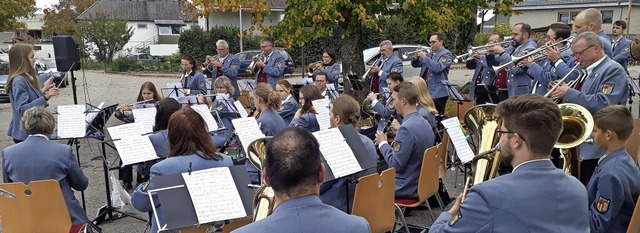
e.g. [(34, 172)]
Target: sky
[(45, 4)]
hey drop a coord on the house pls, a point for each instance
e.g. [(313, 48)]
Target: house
[(32, 34), (242, 19), (490, 22), (542, 13), (157, 23)]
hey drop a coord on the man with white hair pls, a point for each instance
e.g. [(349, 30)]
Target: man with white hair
[(226, 65)]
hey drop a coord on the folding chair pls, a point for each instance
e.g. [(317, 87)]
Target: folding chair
[(37, 207), (634, 225), (374, 200), (427, 185), (634, 141)]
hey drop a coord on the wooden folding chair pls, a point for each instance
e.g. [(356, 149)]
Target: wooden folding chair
[(634, 225), (460, 109), (37, 207), (633, 142), (374, 200), (427, 184)]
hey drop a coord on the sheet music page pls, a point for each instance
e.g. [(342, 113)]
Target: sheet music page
[(214, 195), (71, 122), (135, 149), (337, 152), (203, 110), (92, 115), (171, 87), (241, 109), (459, 140), (186, 100), (322, 107), (146, 116), (126, 130), (247, 130)]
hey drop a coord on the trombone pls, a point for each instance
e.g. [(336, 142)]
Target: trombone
[(406, 55), (483, 49), (536, 54)]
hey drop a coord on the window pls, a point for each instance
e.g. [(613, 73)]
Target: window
[(573, 15), (607, 16), (142, 26), (563, 17), (169, 30)]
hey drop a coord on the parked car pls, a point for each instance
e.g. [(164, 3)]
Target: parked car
[(143, 57), (4, 74), (372, 54), (245, 60), (51, 69)]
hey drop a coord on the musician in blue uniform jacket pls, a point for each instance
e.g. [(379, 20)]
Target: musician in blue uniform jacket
[(305, 117), (385, 109), (37, 158), (192, 80), (535, 192), (223, 109), (483, 73), (294, 170), (190, 149), (615, 185), (329, 67), (326, 91), (518, 81), (621, 46), (271, 68), (605, 85), (289, 104), (435, 69), (388, 63), (265, 100), (345, 110), (407, 150)]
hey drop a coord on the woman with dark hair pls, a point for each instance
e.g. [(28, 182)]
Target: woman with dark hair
[(329, 67), (305, 118), (190, 149), (193, 81), (289, 104), (23, 88), (147, 94), (265, 100), (159, 138)]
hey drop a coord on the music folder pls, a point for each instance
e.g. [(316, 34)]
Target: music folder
[(354, 143), (453, 93), (177, 198)]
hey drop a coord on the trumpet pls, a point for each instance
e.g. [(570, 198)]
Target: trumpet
[(312, 67), (255, 59), (536, 54), (557, 84), (406, 55), (483, 50)]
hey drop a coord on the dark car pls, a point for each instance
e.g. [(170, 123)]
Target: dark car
[(50, 69), (245, 60), (4, 74)]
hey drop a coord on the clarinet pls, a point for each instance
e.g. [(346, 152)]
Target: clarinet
[(227, 142), (393, 116)]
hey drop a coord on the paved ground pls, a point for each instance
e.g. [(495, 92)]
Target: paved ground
[(95, 87)]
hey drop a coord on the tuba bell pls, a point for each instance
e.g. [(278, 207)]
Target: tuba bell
[(263, 201), (577, 124), (483, 122)]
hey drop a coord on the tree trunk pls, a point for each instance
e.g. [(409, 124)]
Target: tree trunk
[(351, 54)]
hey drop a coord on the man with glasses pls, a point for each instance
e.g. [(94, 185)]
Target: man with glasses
[(590, 20), (226, 65), (483, 75), (327, 92), (271, 67), (389, 62), (518, 81), (435, 69), (605, 84), (535, 197)]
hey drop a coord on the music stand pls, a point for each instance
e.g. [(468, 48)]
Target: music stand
[(488, 92), (634, 89)]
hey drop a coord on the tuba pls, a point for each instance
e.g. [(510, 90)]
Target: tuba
[(483, 122), (577, 124), (263, 201)]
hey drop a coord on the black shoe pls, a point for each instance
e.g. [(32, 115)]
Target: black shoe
[(128, 186)]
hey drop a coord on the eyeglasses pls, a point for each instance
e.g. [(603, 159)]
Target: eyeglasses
[(581, 52), (509, 132)]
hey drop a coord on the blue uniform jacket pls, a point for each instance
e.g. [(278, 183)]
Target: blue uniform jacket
[(23, 96), (606, 85), (333, 72), (438, 65), (621, 52), (334, 192), (384, 111), (393, 64), (129, 118), (406, 153), (606, 43), (551, 202), (563, 67), (542, 73), (309, 215), (195, 82), (270, 124), (613, 190), (288, 109), (518, 81), (273, 68), (306, 121), (173, 165), (39, 159), (229, 69), (488, 75), (227, 112), (160, 142)]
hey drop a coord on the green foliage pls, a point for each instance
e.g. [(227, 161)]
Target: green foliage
[(123, 64), (11, 10), (502, 29), (90, 64), (481, 39), (108, 34), (61, 18), (197, 43), (460, 37)]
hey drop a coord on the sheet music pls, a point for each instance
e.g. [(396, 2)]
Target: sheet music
[(71, 121), (126, 130), (172, 87), (214, 195), (144, 105), (187, 100), (241, 109), (458, 139), (92, 115), (322, 107), (203, 110), (247, 84), (337, 152), (146, 116), (135, 149), (247, 130)]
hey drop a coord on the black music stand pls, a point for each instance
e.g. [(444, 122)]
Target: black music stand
[(356, 83), (488, 93), (174, 90), (634, 89)]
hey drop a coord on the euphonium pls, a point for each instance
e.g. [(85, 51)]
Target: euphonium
[(263, 201), (483, 123), (577, 124)]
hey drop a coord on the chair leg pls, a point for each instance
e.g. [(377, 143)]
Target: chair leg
[(431, 212), (440, 203), (400, 213)]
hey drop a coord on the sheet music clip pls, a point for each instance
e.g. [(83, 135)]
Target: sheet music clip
[(190, 168)]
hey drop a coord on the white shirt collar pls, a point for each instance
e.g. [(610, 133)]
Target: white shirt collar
[(601, 158), (593, 66), (40, 135), (525, 162), (286, 99)]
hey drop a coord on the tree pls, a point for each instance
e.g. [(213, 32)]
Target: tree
[(11, 10), (306, 20), (61, 18), (108, 34)]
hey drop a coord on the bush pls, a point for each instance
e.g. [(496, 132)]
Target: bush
[(90, 64), (123, 64), (481, 39)]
